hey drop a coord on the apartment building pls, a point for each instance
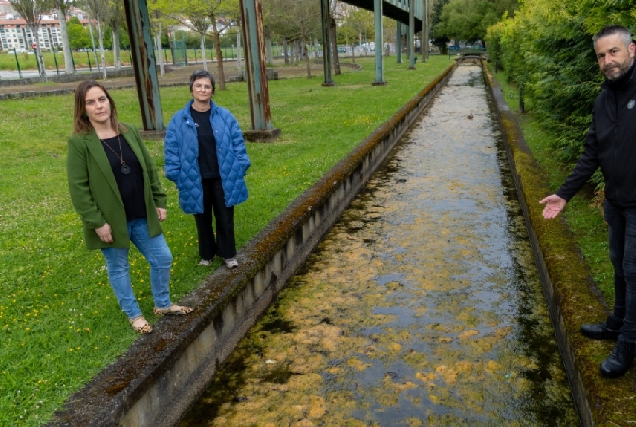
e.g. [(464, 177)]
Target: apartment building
[(15, 34)]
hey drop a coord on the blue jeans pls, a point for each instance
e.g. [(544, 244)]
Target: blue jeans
[(622, 246), (156, 251)]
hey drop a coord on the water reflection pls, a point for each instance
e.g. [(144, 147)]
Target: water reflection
[(421, 307)]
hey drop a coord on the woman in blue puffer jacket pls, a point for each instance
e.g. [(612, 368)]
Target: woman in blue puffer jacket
[(205, 156)]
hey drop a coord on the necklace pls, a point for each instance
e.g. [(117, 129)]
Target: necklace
[(124, 167)]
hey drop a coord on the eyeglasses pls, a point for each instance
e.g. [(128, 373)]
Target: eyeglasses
[(199, 86)]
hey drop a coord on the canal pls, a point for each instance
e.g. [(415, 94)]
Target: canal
[(421, 307)]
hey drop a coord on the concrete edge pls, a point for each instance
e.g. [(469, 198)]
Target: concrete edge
[(163, 373), (570, 292)]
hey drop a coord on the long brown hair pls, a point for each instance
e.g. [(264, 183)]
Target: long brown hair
[(81, 123)]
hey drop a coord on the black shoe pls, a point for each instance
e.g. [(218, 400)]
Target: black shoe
[(599, 331), (617, 363)]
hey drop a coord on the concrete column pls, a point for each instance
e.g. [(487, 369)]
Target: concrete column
[(398, 44), (143, 58), (326, 43), (256, 72), (411, 34), (379, 44)]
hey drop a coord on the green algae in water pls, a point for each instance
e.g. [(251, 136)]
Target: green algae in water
[(421, 307)]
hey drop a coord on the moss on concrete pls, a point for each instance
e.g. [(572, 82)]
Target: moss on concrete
[(575, 297)]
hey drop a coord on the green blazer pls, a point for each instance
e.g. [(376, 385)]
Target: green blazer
[(95, 194)]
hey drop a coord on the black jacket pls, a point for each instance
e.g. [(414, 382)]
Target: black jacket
[(610, 143)]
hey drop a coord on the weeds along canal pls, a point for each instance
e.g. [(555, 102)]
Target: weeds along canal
[(421, 307)]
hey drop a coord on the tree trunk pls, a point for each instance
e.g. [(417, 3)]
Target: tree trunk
[(316, 49), (219, 56), (334, 47), (353, 52), (205, 64), (269, 56), (90, 27), (285, 51), (160, 51), (116, 50), (100, 39), (68, 55), (34, 31), (304, 43)]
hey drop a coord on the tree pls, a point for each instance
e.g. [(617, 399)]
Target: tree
[(31, 11), (78, 37), (101, 12), (117, 19), (158, 21), (439, 40), (212, 11), (295, 21), (469, 19), (363, 24), (547, 48), (62, 9)]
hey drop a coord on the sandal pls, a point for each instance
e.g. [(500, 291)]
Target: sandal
[(173, 310), (144, 328)]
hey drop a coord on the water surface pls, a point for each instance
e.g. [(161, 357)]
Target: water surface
[(421, 307)]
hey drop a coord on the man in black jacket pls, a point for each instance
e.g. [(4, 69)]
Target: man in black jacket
[(611, 144)]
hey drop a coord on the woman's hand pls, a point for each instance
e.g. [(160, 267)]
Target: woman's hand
[(162, 213), (105, 233)]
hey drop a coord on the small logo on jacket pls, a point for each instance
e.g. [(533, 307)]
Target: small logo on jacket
[(631, 104)]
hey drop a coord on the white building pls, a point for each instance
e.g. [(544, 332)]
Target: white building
[(14, 33)]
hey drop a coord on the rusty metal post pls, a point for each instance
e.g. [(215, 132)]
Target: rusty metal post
[(379, 44), (144, 65), (256, 72), (411, 37), (326, 43), (399, 42)]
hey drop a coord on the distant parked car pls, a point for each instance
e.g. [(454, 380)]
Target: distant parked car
[(454, 47)]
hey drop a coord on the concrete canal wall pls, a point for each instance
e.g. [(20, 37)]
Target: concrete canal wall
[(155, 381)]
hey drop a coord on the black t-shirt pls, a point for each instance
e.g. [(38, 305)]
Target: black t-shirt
[(131, 185), (208, 161)]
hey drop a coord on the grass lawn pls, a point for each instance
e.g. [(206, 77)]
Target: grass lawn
[(59, 320), (583, 218)]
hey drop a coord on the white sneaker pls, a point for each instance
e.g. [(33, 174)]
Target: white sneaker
[(230, 262), (205, 262)]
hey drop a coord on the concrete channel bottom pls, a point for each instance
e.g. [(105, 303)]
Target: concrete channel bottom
[(421, 307)]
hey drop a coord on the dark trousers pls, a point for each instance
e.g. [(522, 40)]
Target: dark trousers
[(214, 202), (622, 246)]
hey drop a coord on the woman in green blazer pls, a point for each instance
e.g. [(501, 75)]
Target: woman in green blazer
[(116, 190)]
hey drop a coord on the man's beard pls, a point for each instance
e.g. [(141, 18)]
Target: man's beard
[(615, 71)]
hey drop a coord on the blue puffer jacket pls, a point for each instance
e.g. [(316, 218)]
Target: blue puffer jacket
[(181, 152)]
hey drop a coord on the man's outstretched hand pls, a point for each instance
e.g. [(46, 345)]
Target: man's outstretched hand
[(553, 206)]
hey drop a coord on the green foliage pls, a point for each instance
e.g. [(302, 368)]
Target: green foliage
[(437, 37), (547, 48), (78, 35), (124, 40), (469, 19)]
